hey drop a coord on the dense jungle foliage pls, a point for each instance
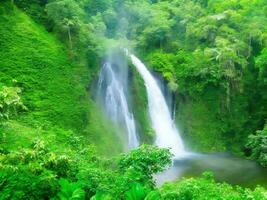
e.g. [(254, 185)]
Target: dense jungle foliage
[(55, 143)]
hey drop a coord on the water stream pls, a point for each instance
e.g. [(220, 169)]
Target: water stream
[(225, 168), (167, 135), (111, 86)]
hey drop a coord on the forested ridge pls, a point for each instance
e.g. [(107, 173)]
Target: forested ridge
[(55, 141)]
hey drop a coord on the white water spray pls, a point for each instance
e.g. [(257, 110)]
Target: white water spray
[(115, 102), (167, 135)]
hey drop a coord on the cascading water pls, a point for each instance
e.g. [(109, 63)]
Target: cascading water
[(167, 135), (111, 86)]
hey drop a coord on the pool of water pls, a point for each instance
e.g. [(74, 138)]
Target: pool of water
[(225, 167)]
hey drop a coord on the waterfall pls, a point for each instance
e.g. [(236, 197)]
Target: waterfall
[(111, 87), (167, 135)]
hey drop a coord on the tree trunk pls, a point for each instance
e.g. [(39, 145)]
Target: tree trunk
[(249, 45), (228, 96), (70, 39)]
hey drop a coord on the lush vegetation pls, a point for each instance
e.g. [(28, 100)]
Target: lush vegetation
[(55, 143), (77, 173)]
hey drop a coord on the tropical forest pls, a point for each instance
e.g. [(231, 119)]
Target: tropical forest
[(133, 99)]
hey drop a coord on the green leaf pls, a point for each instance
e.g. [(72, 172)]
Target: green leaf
[(101, 196), (153, 195), (137, 192)]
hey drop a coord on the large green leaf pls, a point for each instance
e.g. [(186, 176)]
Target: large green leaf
[(137, 192)]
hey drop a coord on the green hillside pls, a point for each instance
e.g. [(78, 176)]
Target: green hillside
[(54, 89)]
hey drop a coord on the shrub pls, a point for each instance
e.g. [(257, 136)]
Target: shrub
[(258, 145)]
